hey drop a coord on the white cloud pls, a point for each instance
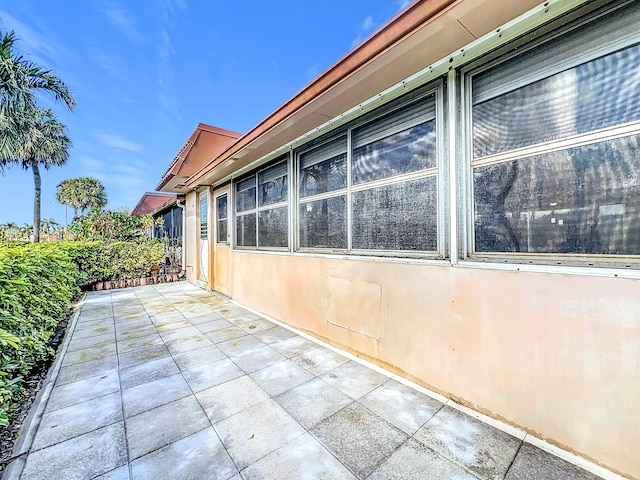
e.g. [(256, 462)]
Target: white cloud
[(116, 141), (122, 21), (367, 25)]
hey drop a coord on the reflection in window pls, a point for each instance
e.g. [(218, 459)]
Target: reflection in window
[(324, 169), (401, 216), (407, 151), (582, 197), (221, 217), (583, 200), (601, 93), (323, 223), (246, 230), (204, 231), (262, 209), (273, 227)]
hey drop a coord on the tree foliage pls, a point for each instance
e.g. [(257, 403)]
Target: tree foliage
[(30, 136), (111, 225), (81, 193)]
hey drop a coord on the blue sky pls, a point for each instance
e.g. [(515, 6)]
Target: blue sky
[(145, 73)]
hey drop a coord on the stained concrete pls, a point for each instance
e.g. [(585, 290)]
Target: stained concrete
[(170, 381)]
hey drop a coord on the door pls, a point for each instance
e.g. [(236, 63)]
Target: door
[(222, 241), (203, 244)]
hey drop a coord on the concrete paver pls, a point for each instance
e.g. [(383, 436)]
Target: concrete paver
[(170, 381)]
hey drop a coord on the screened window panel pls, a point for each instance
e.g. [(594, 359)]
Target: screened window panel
[(582, 200), (221, 207), (401, 216), (222, 231), (323, 223), (273, 227), (246, 230), (272, 185), (407, 151), (601, 93), (203, 215), (401, 119), (246, 194), (324, 169)]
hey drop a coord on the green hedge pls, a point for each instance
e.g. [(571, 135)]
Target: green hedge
[(37, 285)]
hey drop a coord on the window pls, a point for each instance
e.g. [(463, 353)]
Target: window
[(555, 154), (262, 208), (203, 215), (221, 218), (374, 188), (323, 200)]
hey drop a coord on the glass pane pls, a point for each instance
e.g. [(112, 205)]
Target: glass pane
[(203, 215), (598, 94), (222, 231), (324, 169), (246, 194), (246, 230), (583, 200), (221, 207), (402, 216), (404, 152), (273, 227), (323, 223), (272, 185)]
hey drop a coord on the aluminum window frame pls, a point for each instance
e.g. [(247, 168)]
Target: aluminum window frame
[(435, 88), (261, 208), (536, 39), (218, 219), (203, 219)]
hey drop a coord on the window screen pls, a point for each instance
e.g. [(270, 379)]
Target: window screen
[(221, 218), (262, 219), (388, 201), (581, 196), (204, 212)]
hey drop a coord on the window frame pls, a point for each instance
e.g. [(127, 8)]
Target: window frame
[(536, 40), (218, 219), (437, 88), (282, 159), (203, 219)]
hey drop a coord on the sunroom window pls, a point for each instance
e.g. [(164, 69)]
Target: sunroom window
[(374, 188), (556, 147), (262, 209)]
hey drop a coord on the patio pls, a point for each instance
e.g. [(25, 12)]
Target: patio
[(171, 381)]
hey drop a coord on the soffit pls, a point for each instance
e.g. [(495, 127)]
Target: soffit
[(434, 39)]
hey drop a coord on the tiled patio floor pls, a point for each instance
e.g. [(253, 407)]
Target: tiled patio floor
[(170, 381)]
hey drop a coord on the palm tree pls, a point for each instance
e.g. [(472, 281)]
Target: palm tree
[(11, 229), (81, 193), (30, 136), (26, 231), (48, 225), (43, 143), (20, 80)]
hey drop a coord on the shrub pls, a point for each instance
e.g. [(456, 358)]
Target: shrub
[(37, 284)]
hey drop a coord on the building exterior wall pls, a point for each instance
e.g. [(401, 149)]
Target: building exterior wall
[(520, 294), (557, 355)]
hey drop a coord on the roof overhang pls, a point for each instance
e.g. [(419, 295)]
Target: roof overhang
[(423, 33), (151, 202), (203, 144)]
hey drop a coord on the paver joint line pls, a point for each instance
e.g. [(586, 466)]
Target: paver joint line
[(29, 429), (209, 389)]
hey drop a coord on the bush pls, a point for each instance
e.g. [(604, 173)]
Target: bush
[(37, 284)]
